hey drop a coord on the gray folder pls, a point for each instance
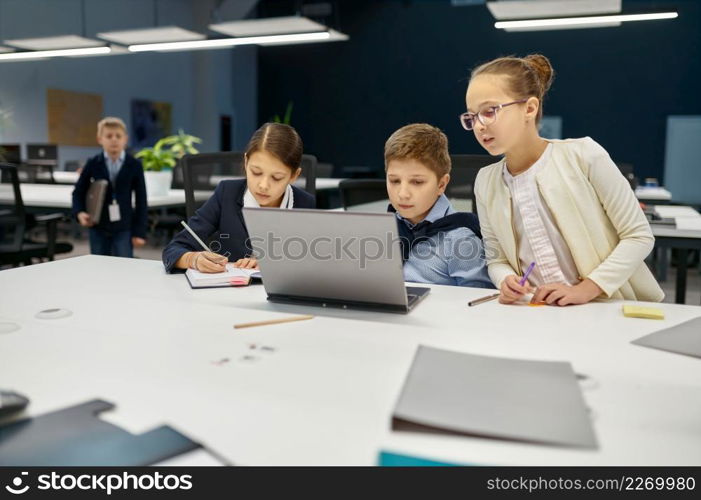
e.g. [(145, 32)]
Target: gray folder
[(95, 199), (684, 338), (513, 399)]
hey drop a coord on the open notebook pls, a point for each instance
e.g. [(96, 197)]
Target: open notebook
[(231, 277)]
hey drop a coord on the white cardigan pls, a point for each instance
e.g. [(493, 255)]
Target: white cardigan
[(595, 210)]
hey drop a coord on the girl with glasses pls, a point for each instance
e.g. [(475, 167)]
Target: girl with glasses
[(562, 204)]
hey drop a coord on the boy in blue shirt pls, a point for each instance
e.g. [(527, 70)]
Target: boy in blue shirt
[(121, 227), (439, 245)]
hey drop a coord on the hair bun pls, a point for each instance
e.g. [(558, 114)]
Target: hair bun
[(543, 68)]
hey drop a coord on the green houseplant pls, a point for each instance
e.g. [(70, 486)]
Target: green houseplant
[(181, 144), (287, 117), (157, 158), (159, 161)]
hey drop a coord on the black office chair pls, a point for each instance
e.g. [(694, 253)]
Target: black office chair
[(36, 174), (166, 221), (628, 172), (308, 175), (16, 245), (198, 172), (360, 191), (462, 176)]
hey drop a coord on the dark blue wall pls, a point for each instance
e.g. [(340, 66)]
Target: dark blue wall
[(409, 62)]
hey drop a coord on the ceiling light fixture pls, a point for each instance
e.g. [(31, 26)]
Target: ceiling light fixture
[(222, 43), (573, 22), (42, 54)]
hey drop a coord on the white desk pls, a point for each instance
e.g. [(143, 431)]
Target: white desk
[(145, 341), (682, 240), (653, 193), (62, 177), (60, 196), (321, 183)]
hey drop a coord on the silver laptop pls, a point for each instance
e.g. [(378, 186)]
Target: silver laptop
[(331, 259)]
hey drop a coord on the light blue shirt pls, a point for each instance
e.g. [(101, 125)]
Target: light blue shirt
[(114, 166), (453, 257)]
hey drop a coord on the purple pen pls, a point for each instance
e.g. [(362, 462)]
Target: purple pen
[(525, 276)]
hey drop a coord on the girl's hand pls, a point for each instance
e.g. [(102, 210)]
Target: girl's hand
[(511, 290), (138, 242), (208, 262), (246, 263), (561, 294)]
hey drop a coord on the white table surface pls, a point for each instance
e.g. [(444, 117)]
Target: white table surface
[(677, 212), (653, 193), (60, 196), (321, 183), (63, 177), (147, 342)]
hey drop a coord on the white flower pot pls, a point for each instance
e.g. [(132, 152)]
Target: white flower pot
[(158, 183)]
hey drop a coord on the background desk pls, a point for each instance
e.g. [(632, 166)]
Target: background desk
[(682, 241), (147, 342), (43, 196)]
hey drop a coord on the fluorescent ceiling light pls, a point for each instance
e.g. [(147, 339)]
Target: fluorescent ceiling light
[(530, 9), (557, 27), (223, 43), (151, 35), (268, 26), (42, 54), (570, 22), (334, 36), (54, 43)]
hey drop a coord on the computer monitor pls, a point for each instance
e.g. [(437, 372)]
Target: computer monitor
[(10, 153), (42, 154)]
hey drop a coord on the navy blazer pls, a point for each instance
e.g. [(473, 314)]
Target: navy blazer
[(129, 178), (219, 223)]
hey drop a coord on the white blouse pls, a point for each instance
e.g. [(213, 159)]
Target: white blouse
[(538, 236)]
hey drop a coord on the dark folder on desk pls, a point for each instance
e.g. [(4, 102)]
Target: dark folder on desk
[(488, 397), (684, 338), (76, 436), (96, 198)]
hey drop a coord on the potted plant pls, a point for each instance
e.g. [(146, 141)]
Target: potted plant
[(287, 117), (159, 161), (182, 144)]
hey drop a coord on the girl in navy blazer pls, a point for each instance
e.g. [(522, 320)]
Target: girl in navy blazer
[(272, 163)]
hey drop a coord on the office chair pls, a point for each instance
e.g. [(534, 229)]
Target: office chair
[(462, 177), (16, 245), (308, 176), (198, 170), (360, 191)]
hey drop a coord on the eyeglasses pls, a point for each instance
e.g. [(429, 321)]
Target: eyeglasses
[(487, 116)]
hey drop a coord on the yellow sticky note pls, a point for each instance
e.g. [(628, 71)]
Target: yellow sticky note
[(630, 311)]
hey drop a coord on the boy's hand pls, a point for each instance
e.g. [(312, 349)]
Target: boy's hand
[(511, 290), (209, 262), (561, 294), (137, 242), (84, 219), (247, 263)]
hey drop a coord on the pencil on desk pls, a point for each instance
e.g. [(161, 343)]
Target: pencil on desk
[(274, 321)]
